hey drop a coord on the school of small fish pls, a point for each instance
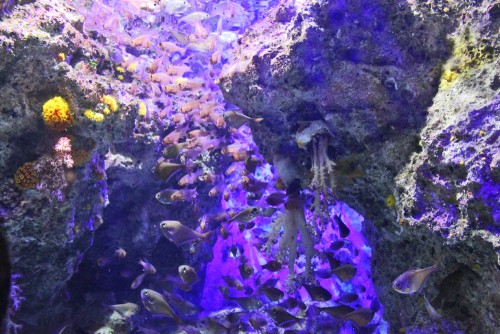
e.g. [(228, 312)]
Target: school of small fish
[(169, 54)]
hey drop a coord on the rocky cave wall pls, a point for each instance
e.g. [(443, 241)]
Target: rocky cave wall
[(51, 236), (407, 94)]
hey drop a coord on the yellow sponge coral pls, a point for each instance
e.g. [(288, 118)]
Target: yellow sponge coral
[(93, 116), (111, 102), (142, 109), (57, 114)]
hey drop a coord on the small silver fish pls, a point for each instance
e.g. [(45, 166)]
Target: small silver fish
[(138, 281), (272, 266), (194, 17), (274, 294), (268, 212), (126, 310), (257, 321), (336, 312), (175, 7), (348, 298), (180, 304), (431, 310), (343, 229), (233, 282), (165, 196), (246, 271), (276, 198), (345, 272), (147, 267), (413, 280), (182, 195), (173, 150), (281, 317), (248, 303), (361, 317), (247, 215), (188, 274), (179, 234), (236, 119), (156, 304), (212, 326), (318, 293), (251, 163), (165, 169)]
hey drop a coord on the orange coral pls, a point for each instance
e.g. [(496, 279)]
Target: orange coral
[(26, 176), (57, 114)]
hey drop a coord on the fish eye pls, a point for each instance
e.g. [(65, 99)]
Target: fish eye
[(157, 196), (145, 293), (254, 210)]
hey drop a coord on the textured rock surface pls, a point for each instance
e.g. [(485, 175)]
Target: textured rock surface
[(391, 81), (344, 63), (50, 237)]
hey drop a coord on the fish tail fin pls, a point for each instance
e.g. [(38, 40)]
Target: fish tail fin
[(176, 318), (219, 26), (207, 235), (194, 199), (258, 120), (173, 173), (314, 309)]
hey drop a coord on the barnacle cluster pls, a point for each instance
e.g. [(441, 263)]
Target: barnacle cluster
[(57, 114), (26, 176)]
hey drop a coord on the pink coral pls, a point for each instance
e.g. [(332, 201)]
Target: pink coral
[(63, 152)]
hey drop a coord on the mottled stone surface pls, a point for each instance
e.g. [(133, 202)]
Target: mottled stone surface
[(49, 238), (359, 66), (409, 94)]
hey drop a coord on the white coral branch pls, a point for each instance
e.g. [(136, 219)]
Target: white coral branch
[(322, 181)]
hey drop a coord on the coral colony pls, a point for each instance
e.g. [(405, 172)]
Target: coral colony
[(224, 241)]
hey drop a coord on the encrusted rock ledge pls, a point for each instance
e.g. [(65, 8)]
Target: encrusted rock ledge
[(408, 97)]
